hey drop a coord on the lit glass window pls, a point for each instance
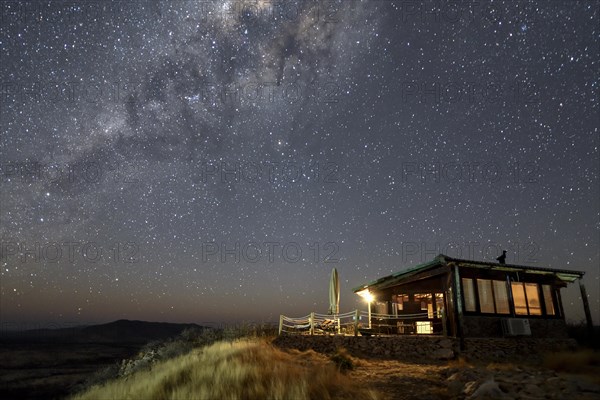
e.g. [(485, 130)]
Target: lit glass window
[(501, 297), (518, 293), (469, 294), (425, 300), (533, 299), (486, 298), (400, 301)]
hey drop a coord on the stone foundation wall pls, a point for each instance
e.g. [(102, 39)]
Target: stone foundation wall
[(429, 348), (514, 348), (408, 348), (492, 327)]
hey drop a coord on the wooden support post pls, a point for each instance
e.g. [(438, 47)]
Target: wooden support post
[(444, 330), (458, 307), (586, 306), (312, 323), (356, 318), (280, 323)]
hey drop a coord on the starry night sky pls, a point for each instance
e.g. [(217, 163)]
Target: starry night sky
[(211, 161)]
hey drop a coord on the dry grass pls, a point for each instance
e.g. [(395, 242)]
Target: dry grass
[(245, 369), (459, 362)]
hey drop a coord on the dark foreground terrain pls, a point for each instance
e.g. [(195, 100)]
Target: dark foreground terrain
[(51, 364), (209, 363), (53, 370)]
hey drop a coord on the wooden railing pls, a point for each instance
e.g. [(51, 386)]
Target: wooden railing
[(355, 322)]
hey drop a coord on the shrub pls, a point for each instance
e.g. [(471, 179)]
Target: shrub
[(582, 334), (172, 349), (582, 361), (342, 360), (100, 377)]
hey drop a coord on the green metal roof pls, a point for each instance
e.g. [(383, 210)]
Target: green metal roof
[(562, 274), (402, 274)]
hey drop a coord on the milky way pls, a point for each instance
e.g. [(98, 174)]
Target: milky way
[(212, 161)]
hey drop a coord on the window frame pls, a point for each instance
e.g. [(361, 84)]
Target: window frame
[(510, 277), (399, 301), (553, 300), (506, 293), (473, 284), (488, 285), (540, 299), (475, 281), (512, 293), (529, 301)]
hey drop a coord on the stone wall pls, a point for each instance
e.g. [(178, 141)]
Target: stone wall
[(514, 348), (429, 348), (410, 348), (479, 326)]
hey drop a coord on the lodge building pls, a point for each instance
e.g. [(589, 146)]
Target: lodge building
[(465, 298)]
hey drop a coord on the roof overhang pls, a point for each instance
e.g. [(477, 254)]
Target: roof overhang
[(421, 270), (562, 274), (402, 276)]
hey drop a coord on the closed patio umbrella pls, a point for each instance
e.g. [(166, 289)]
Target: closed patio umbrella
[(334, 293), (334, 296)]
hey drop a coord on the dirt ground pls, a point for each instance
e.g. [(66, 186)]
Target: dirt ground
[(401, 380)]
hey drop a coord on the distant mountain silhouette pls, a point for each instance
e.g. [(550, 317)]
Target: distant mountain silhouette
[(135, 331), (121, 331)]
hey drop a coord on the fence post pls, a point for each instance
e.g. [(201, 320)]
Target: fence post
[(280, 323), (312, 323), (356, 318)]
